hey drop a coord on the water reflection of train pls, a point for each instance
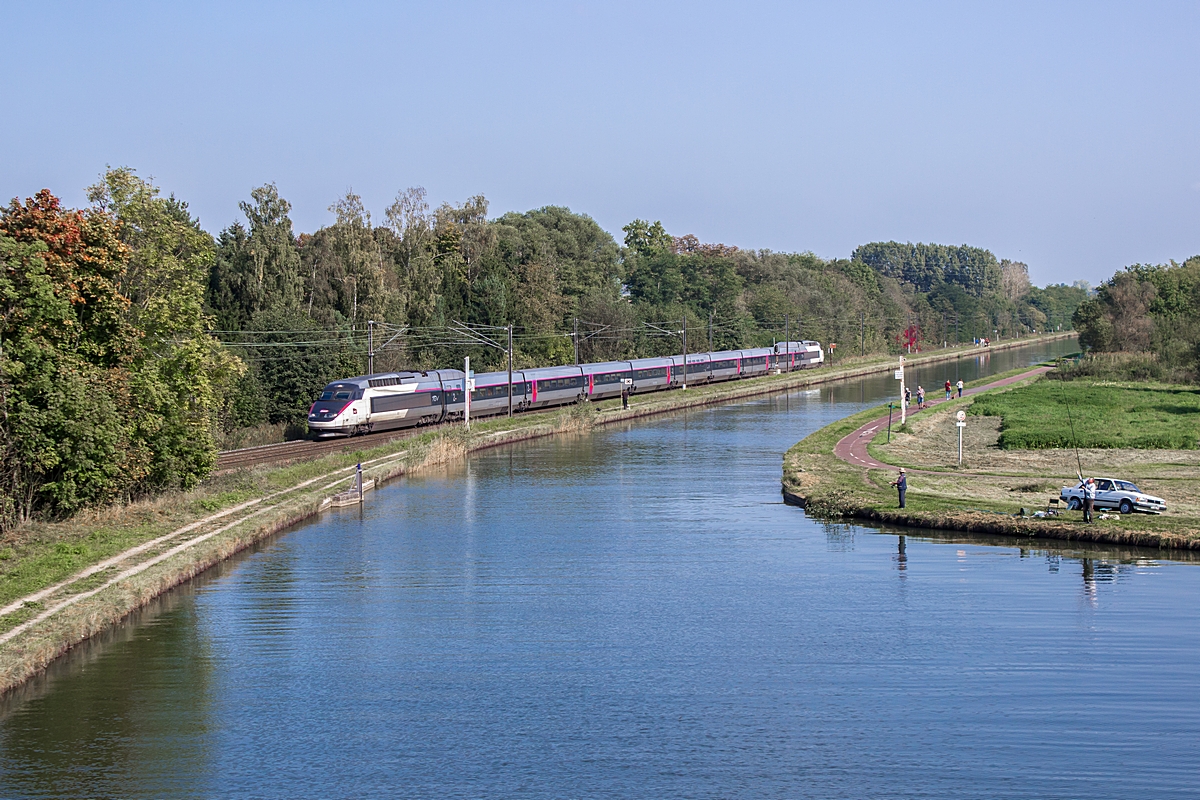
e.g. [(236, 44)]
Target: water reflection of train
[(403, 399)]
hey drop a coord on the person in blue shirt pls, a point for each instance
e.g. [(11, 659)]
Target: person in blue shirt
[(901, 484)]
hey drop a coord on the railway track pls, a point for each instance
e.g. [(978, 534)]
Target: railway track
[(300, 449)]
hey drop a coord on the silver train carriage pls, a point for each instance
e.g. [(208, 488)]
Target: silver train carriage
[(790, 356), (405, 399)]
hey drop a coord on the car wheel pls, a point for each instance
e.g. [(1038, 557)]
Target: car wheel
[(1126, 507), (1075, 505)]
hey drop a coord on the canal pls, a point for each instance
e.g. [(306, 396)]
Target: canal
[(634, 613)]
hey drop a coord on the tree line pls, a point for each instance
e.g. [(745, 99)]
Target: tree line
[(1152, 310), (133, 339)]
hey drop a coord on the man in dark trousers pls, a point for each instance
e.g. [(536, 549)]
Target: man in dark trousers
[(1089, 499), (625, 398), (901, 484)]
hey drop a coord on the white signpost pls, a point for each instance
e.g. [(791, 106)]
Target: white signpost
[(468, 387), (903, 405), (962, 423)]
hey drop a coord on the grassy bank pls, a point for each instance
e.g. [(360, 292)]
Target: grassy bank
[(61, 583), (988, 492)]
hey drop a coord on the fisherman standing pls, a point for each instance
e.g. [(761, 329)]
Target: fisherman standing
[(901, 484), (1089, 499)]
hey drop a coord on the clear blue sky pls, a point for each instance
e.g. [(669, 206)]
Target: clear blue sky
[(1063, 135)]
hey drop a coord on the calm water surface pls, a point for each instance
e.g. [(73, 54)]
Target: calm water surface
[(633, 613)]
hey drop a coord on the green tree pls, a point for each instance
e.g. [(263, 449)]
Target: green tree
[(67, 439), (298, 357), (645, 239), (256, 267), (180, 375)]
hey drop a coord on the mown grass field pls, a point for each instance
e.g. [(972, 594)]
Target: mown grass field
[(1104, 415)]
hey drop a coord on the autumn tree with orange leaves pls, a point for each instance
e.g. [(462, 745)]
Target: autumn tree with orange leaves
[(109, 381)]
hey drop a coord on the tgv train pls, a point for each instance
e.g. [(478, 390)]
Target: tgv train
[(403, 399)]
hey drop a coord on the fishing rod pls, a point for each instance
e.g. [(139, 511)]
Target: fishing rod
[(1074, 441)]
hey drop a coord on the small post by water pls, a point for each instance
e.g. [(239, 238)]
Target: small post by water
[(360, 482), (467, 391), (890, 423), (903, 405)]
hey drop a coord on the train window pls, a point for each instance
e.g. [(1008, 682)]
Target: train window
[(396, 402), (326, 395), (489, 392), (341, 396), (560, 384)]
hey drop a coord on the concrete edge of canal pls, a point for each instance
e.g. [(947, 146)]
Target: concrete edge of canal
[(92, 601)]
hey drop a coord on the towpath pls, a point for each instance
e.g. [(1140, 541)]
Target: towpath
[(852, 448)]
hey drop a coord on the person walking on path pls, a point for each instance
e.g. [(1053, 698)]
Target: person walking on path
[(960, 387), (920, 397), (907, 397), (949, 389), (901, 484), (1089, 499)]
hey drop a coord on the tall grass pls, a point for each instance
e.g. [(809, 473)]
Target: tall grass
[(1119, 367)]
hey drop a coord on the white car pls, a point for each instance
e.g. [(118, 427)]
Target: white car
[(1112, 493)]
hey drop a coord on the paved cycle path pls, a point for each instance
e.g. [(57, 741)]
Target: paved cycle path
[(852, 448)]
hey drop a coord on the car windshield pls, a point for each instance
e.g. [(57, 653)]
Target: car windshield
[(1126, 486)]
